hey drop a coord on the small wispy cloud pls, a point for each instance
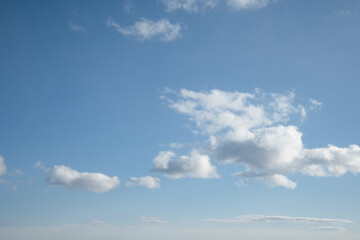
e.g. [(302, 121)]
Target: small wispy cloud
[(97, 221), (128, 6), (272, 180), (329, 228), (145, 29), (344, 13), (16, 172), (193, 6), (340, 14), (40, 165), (176, 145), (247, 4), (276, 218), (148, 181), (153, 220), (314, 103), (76, 28), (2, 166), (188, 5)]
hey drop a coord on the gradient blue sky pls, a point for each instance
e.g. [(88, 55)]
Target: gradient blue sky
[(100, 87)]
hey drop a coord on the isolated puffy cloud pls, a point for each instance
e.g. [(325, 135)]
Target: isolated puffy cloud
[(148, 181), (145, 29), (153, 220), (275, 218), (251, 129), (195, 165), (64, 176), (2, 166)]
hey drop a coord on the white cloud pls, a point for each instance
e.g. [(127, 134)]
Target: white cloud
[(176, 145), (275, 180), (247, 4), (148, 181), (64, 176), (76, 28), (194, 6), (97, 221), (128, 6), (16, 172), (2, 166), (196, 165), (314, 104), (329, 228), (188, 5), (145, 29), (250, 129), (153, 220), (40, 165), (344, 13), (278, 180), (331, 161), (276, 218)]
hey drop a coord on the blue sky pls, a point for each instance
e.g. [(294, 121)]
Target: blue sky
[(198, 119)]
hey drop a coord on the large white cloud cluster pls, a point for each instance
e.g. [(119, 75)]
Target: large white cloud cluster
[(251, 129)]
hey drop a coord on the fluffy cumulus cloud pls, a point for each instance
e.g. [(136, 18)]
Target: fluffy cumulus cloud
[(194, 165), (145, 29), (64, 176), (148, 181), (253, 130), (276, 218), (2, 166), (274, 180), (195, 5)]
